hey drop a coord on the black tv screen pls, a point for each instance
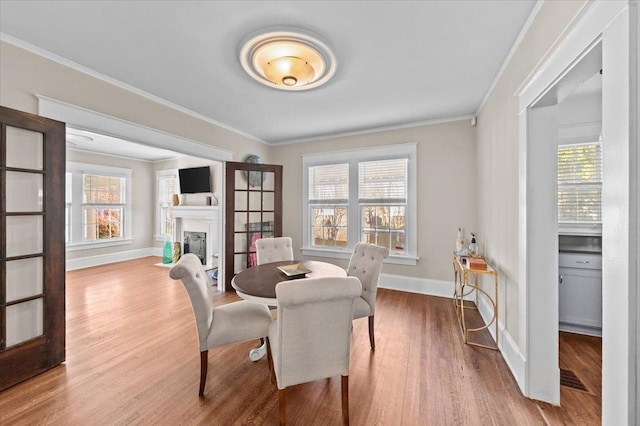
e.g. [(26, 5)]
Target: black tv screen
[(194, 180)]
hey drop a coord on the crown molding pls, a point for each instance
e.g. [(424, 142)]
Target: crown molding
[(95, 74)]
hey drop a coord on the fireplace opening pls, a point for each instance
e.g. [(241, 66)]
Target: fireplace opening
[(196, 243)]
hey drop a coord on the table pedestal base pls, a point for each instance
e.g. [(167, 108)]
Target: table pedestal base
[(256, 354)]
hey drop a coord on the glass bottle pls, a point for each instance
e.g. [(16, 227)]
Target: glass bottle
[(459, 242), (473, 247), (167, 251)]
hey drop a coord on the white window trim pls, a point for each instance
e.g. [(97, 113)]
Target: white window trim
[(77, 169), (161, 173), (353, 157)]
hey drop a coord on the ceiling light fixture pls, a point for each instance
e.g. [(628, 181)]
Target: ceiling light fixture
[(287, 59)]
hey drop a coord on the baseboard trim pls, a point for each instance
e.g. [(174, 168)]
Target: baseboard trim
[(103, 259), (416, 285), (508, 347)]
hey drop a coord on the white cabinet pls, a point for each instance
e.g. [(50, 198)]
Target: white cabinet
[(580, 297)]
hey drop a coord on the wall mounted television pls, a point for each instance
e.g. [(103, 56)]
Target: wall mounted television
[(195, 180)]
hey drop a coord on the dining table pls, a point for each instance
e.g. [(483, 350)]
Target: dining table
[(258, 283)]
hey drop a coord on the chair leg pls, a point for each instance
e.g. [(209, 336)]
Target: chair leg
[(204, 364), (345, 400), (372, 338), (281, 404), (272, 371)]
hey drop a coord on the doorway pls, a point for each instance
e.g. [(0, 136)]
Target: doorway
[(606, 24)]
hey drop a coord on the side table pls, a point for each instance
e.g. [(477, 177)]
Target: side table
[(466, 283)]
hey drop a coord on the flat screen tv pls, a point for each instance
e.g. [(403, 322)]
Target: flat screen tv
[(194, 180)]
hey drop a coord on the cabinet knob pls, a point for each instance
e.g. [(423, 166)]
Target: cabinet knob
[(561, 278)]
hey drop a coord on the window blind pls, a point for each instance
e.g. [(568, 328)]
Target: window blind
[(383, 181), (329, 184), (580, 183)]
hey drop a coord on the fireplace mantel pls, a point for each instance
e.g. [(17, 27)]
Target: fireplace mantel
[(198, 219)]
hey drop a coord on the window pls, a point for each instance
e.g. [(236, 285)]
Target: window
[(67, 207), (364, 195), (329, 202), (382, 187), (98, 209), (167, 187), (580, 185)]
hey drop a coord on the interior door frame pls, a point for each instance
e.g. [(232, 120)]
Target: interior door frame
[(46, 351), (230, 187)]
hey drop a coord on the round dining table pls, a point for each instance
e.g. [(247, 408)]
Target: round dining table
[(258, 284)]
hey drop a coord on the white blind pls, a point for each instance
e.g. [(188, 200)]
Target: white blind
[(580, 183), (383, 181), (329, 184)]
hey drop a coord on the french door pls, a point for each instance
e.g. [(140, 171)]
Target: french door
[(253, 209), (32, 252)]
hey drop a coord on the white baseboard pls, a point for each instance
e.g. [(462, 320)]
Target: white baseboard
[(508, 347), (416, 285), (86, 262)]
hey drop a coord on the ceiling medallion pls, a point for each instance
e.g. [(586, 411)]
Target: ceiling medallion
[(288, 59)]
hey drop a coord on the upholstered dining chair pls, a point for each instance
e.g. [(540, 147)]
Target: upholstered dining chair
[(217, 326), (274, 249), (365, 264), (311, 337)]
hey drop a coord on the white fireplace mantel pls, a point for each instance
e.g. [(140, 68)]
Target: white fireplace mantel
[(198, 219)]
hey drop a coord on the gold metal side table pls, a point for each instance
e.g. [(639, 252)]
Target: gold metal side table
[(464, 286)]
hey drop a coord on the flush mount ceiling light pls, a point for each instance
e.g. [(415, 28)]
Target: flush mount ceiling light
[(288, 60)]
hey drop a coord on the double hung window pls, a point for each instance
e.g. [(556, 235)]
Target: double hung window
[(580, 186), (167, 187), (98, 204), (361, 196)]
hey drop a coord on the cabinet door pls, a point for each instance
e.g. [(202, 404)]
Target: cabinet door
[(580, 297)]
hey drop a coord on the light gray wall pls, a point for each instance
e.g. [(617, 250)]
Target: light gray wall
[(447, 197), (498, 157)]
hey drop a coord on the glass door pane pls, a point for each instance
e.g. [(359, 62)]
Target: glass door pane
[(254, 204), (32, 190)]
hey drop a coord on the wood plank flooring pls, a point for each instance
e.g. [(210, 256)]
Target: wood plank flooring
[(132, 358)]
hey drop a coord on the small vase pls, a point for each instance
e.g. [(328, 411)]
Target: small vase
[(167, 255), (176, 252)]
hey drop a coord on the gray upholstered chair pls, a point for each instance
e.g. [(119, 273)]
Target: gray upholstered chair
[(365, 264), (311, 338), (274, 249), (222, 325)]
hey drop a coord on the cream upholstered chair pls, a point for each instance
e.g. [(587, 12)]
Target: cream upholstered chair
[(365, 264), (222, 325), (274, 249), (311, 338)]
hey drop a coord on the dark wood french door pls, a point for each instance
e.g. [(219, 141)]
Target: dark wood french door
[(32, 252), (253, 209)]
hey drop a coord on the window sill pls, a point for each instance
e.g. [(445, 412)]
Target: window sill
[(564, 229), (346, 254), (95, 245)]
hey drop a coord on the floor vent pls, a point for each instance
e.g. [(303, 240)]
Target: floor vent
[(568, 378)]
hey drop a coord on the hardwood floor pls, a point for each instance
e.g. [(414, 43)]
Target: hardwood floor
[(132, 358)]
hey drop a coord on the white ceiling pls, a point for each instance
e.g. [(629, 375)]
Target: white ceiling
[(399, 63)]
